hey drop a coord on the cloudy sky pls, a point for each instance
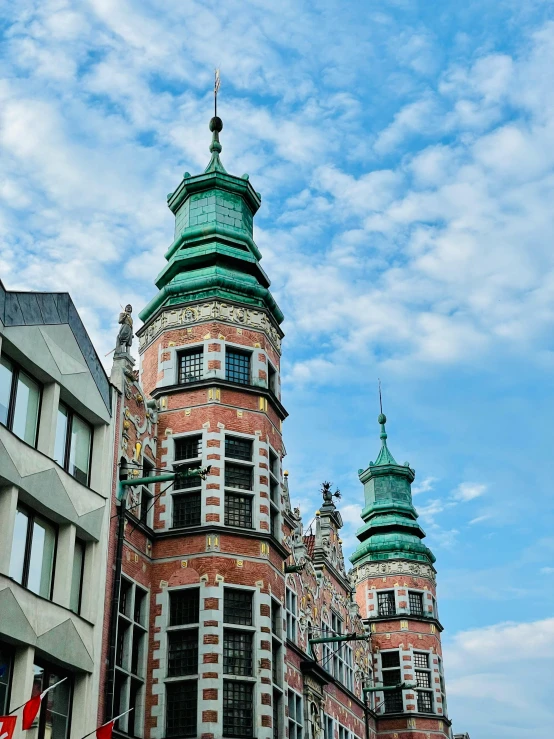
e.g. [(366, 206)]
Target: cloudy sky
[(405, 154)]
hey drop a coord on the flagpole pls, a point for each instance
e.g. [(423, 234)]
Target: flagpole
[(111, 721), (41, 696)]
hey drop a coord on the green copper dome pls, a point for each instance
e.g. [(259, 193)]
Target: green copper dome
[(213, 254), (390, 529)]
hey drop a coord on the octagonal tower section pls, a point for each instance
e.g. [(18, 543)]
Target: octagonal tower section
[(210, 355), (396, 593)]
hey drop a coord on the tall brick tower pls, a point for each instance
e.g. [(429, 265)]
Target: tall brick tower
[(210, 351), (396, 594)]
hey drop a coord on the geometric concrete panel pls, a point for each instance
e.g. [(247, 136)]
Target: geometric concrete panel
[(47, 488), (92, 523), (26, 463), (13, 619), (64, 644), (67, 365)]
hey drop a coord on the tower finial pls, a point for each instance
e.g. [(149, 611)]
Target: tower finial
[(216, 126), (385, 457)]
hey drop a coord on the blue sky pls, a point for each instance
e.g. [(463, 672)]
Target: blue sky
[(405, 154)]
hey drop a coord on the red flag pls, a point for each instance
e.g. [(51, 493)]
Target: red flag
[(7, 726), (105, 731), (32, 707), (30, 710)]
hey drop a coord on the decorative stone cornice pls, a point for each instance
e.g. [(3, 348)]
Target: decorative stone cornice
[(213, 310), (392, 567)]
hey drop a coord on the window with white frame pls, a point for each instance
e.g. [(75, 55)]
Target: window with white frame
[(274, 494), (385, 603), (296, 715), (328, 727), (187, 495), (340, 664), (291, 608), (130, 658), (345, 733), (415, 600), (423, 681), (239, 477), (238, 662), (392, 675), (442, 686), (191, 365), (182, 662)]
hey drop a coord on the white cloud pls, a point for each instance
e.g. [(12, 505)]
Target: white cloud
[(547, 570), (426, 485), (499, 678), (469, 491), (480, 519)]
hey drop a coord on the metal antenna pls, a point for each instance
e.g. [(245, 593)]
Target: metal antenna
[(380, 396), (217, 83)]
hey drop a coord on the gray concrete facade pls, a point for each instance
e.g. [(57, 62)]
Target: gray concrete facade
[(43, 337)]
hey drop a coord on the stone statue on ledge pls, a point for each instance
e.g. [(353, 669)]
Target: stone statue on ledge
[(125, 335)]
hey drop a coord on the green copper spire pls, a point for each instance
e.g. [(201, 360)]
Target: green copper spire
[(390, 529), (214, 254), (385, 457)]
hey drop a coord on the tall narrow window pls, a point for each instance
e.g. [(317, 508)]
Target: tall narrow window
[(6, 664), (237, 366), (182, 638), (271, 379), (291, 605), (187, 507), (385, 603), (181, 708), (131, 650), (237, 607), (77, 570), (73, 444), (191, 365), (296, 716), (238, 713), (416, 603), (52, 720), (33, 550), (19, 401), (423, 681), (237, 653), (392, 675)]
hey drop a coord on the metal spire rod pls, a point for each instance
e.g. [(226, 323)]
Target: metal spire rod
[(217, 83), (380, 396)]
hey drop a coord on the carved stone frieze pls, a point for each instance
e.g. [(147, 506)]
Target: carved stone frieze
[(211, 310), (393, 567)]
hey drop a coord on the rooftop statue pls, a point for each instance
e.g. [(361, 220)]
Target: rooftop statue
[(125, 335)]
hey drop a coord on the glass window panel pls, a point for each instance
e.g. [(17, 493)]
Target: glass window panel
[(57, 708), (237, 652), (238, 448), (188, 447), (5, 675), (238, 510), (238, 713), (181, 710), (390, 659), (61, 435), (182, 652), (6, 374), (79, 453), (191, 366), (184, 607), (237, 607), (237, 367), (41, 561), (238, 476), (77, 576), (17, 561), (25, 416), (186, 510)]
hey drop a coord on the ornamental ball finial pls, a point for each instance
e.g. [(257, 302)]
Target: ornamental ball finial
[(381, 418), (216, 124)]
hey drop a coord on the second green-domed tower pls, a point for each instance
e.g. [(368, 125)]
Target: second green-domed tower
[(395, 591)]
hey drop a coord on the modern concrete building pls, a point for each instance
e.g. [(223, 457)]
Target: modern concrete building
[(55, 440)]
